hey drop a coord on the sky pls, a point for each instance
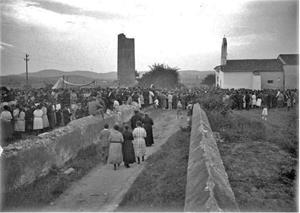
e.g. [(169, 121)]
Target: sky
[(187, 34)]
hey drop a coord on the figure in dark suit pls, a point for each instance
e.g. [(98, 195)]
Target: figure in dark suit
[(127, 147), (148, 123), (135, 118)]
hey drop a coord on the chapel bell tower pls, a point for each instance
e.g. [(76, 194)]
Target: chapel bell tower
[(224, 51)]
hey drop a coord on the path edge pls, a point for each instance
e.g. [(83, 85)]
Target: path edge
[(208, 188)]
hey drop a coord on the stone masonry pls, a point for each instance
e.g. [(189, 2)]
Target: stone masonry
[(126, 61)]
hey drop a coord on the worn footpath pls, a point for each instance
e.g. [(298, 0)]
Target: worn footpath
[(103, 188)]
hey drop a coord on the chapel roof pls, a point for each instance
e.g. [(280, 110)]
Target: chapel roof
[(289, 59), (251, 65)]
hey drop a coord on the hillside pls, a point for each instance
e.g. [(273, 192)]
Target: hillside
[(50, 76), (18, 81), (58, 73), (193, 78)]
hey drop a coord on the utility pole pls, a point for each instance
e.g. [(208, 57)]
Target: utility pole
[(27, 86), (26, 60)]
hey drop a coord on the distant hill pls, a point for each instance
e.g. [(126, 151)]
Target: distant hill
[(18, 81), (58, 73), (50, 76), (193, 78)]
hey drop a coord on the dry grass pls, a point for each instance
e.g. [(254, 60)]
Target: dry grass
[(260, 157), (161, 186)]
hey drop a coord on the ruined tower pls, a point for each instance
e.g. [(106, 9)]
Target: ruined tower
[(224, 52), (126, 61)]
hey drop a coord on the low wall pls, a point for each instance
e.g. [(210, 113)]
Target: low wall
[(207, 188), (25, 161)]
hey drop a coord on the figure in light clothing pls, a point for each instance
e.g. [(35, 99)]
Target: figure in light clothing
[(19, 117), (170, 100), (253, 99), (45, 118), (116, 105), (38, 119), (156, 103), (6, 129), (264, 113), (258, 102), (179, 109), (151, 96), (115, 155), (139, 135), (104, 142)]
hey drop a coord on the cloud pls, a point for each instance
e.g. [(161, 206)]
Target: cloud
[(62, 8), (4, 44)]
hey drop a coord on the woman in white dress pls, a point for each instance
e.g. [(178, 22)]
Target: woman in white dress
[(38, 119), (139, 135), (258, 101), (6, 129), (253, 98), (45, 117), (19, 117)]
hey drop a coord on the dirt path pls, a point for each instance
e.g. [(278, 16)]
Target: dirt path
[(103, 188)]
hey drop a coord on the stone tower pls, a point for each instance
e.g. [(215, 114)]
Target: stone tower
[(126, 61), (224, 52)]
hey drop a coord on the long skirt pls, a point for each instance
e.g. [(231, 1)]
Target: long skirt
[(20, 126), (52, 119), (128, 152), (139, 147), (6, 131), (149, 139), (115, 155), (258, 102), (38, 123), (45, 121)]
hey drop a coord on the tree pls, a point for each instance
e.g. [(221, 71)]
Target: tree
[(161, 76), (209, 80)]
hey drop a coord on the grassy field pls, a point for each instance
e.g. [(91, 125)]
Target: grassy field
[(161, 185), (260, 157)]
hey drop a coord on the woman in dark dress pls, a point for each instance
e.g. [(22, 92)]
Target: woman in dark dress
[(28, 118), (51, 115), (127, 148), (148, 123), (66, 115)]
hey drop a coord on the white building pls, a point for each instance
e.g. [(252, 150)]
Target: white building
[(257, 73), (290, 65)]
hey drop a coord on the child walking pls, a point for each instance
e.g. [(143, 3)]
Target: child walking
[(264, 113)]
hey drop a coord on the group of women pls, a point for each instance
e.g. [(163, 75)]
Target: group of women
[(14, 121), (130, 146)]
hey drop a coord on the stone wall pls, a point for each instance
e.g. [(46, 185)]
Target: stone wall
[(25, 161), (207, 188)]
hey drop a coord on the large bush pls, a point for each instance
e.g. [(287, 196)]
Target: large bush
[(211, 101), (160, 76)]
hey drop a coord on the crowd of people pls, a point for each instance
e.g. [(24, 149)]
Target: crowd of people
[(38, 110)]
